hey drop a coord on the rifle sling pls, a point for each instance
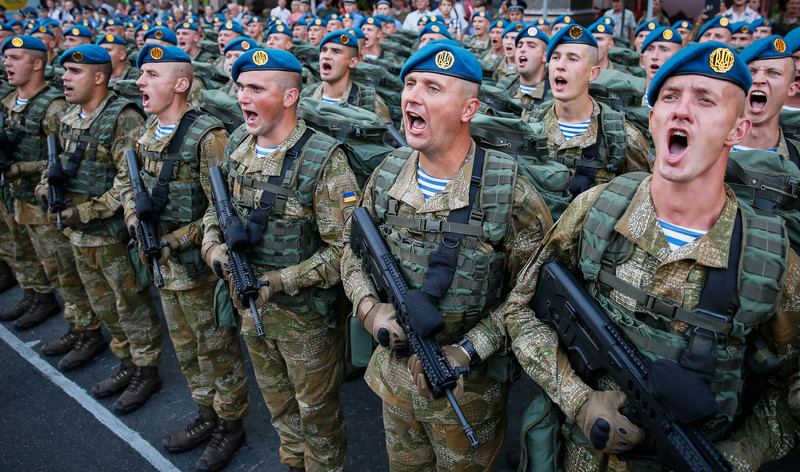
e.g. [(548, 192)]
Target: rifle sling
[(85, 140), (161, 190)]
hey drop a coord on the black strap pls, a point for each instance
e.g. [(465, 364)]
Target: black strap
[(74, 160), (257, 223), (585, 175), (352, 99), (793, 156), (161, 191), (442, 263)]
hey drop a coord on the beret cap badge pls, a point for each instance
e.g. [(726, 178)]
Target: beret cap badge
[(667, 34), (444, 60), (245, 45), (723, 22), (260, 58), (75, 31), (158, 34), (575, 32), (156, 53), (721, 60), (16, 42), (344, 39), (77, 56), (780, 45)]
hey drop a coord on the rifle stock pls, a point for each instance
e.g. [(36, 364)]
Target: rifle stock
[(146, 233)]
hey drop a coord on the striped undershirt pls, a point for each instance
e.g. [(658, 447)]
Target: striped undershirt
[(788, 108), (430, 186), (526, 89), (328, 99), (678, 236), (83, 115), (162, 130), (263, 152), (739, 147), (571, 130), (21, 101)]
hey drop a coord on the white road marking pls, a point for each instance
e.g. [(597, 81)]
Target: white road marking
[(144, 448)]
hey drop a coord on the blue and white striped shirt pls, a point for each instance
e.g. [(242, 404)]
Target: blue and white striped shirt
[(328, 99), (739, 147), (571, 130), (430, 186), (678, 236), (263, 152), (162, 130), (526, 89), (21, 101)]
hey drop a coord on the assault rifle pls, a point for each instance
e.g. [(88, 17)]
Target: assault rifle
[(244, 280), (145, 229), (415, 313), (587, 330), (5, 151), (56, 181)]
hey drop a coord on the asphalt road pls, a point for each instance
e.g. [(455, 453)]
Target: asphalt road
[(49, 422)]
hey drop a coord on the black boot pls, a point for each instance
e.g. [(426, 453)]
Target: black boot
[(199, 430), (227, 438), (116, 382), (43, 307), (7, 279), (13, 312), (63, 344), (89, 344), (144, 384)]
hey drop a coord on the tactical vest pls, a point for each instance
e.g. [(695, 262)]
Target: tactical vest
[(286, 242), (758, 289), (33, 145), (359, 96), (187, 201), (480, 276)]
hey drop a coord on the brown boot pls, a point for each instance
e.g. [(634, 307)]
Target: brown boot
[(199, 430), (117, 381), (90, 343), (63, 344), (297, 469), (43, 307), (227, 438), (145, 382), (13, 312), (7, 279)]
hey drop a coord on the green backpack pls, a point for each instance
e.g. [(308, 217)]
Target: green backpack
[(623, 56), (361, 131), (223, 106), (128, 89), (769, 182), (212, 77), (790, 123), (623, 92), (496, 99), (527, 143), (388, 86)]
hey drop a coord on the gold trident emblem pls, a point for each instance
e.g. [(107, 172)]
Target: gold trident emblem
[(780, 45), (260, 58), (721, 60), (667, 34), (77, 56), (444, 60), (575, 32), (156, 53)]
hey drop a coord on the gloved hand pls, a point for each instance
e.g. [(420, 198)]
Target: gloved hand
[(379, 320), (131, 221), (41, 195), (456, 356), (275, 286), (14, 171), (216, 256), (605, 427), (170, 243), (69, 216)]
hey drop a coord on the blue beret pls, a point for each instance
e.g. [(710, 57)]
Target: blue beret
[(161, 24), (188, 25), (85, 54), (431, 18), (253, 19), (279, 29), (600, 27), (347, 15), (4, 27), (608, 20), (761, 22), (710, 59), (317, 22), (515, 27), (342, 37), (131, 24), (482, 14), (371, 20), (772, 47), (299, 22), (435, 28), (23, 41), (792, 39), (113, 22), (79, 30), (14, 22), (44, 30), (168, 17), (566, 19), (334, 17), (647, 25), (446, 58), (514, 5), (662, 35), (162, 34), (575, 34), (230, 26), (218, 17), (498, 24), (111, 39), (265, 59), (383, 18), (155, 53), (718, 22), (142, 27), (383, 2), (357, 32), (532, 32), (240, 44), (741, 27)]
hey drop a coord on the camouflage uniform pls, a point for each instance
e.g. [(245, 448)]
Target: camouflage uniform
[(478, 49), (378, 106), (209, 355), (766, 432), (420, 433), (542, 93), (103, 260), (501, 69), (299, 366)]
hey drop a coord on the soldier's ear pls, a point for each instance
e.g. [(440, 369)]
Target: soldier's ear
[(290, 97), (470, 109), (595, 73), (182, 85), (794, 87)]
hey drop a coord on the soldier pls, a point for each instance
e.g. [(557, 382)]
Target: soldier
[(508, 66), (334, 22), (255, 29), (30, 112), (161, 36), (741, 34), (516, 10), (684, 27), (178, 146), (674, 229), (338, 56), (602, 32), (188, 35), (432, 31), (717, 29), (233, 50), (530, 85), (590, 138), (95, 132), (48, 37), (373, 36), (300, 29), (495, 53), (560, 23), (117, 49), (435, 182), (114, 26), (227, 31), (279, 37), (299, 366), (478, 43), (762, 28), (317, 29), (661, 44)]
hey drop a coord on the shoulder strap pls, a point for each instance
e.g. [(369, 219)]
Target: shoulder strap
[(236, 139), (793, 154), (614, 134), (352, 99), (87, 139), (103, 127), (161, 190)]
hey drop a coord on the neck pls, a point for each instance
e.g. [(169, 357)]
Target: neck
[(373, 50), (445, 162), (696, 204), (533, 79), (604, 62), (793, 101), (117, 72), (91, 105), (193, 51), (764, 135), (577, 110), (32, 87), (483, 37), (174, 111), (277, 135), (336, 89)]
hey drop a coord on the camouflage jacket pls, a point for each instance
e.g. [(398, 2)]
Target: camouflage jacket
[(378, 105), (330, 211), (540, 94), (478, 48), (529, 220)]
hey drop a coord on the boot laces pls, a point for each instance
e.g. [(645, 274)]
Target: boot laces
[(136, 382), (219, 437), (195, 426)]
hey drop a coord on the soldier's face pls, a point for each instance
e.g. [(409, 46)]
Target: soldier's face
[(722, 35), (604, 43), (157, 86), (515, 15), (479, 24), (187, 39), (226, 36), (692, 121), (773, 83), (335, 61), (741, 39), (530, 56), (20, 66), (347, 23), (656, 55), (315, 35), (79, 82), (334, 25), (300, 32), (371, 33), (428, 37), (389, 27), (571, 71), (382, 9), (119, 30), (279, 41), (74, 41), (496, 38), (230, 58), (761, 32), (262, 100), (508, 45), (117, 52), (639, 39), (255, 29)]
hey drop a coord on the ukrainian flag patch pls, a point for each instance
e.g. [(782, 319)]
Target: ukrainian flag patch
[(349, 197)]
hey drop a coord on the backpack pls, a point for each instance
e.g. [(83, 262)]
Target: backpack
[(128, 89), (527, 143), (623, 56), (500, 103), (790, 123), (387, 85), (211, 77), (623, 92), (223, 106), (362, 133)]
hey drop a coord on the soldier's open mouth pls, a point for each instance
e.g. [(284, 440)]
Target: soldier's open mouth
[(415, 122), (325, 67), (678, 142), (758, 100), (522, 60), (560, 83), (145, 98)]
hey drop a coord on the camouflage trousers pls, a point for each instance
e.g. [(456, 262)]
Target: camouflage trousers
[(300, 384), (17, 250), (416, 446), (121, 302), (210, 356), (55, 253)]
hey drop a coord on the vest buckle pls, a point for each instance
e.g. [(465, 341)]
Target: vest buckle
[(428, 225)]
